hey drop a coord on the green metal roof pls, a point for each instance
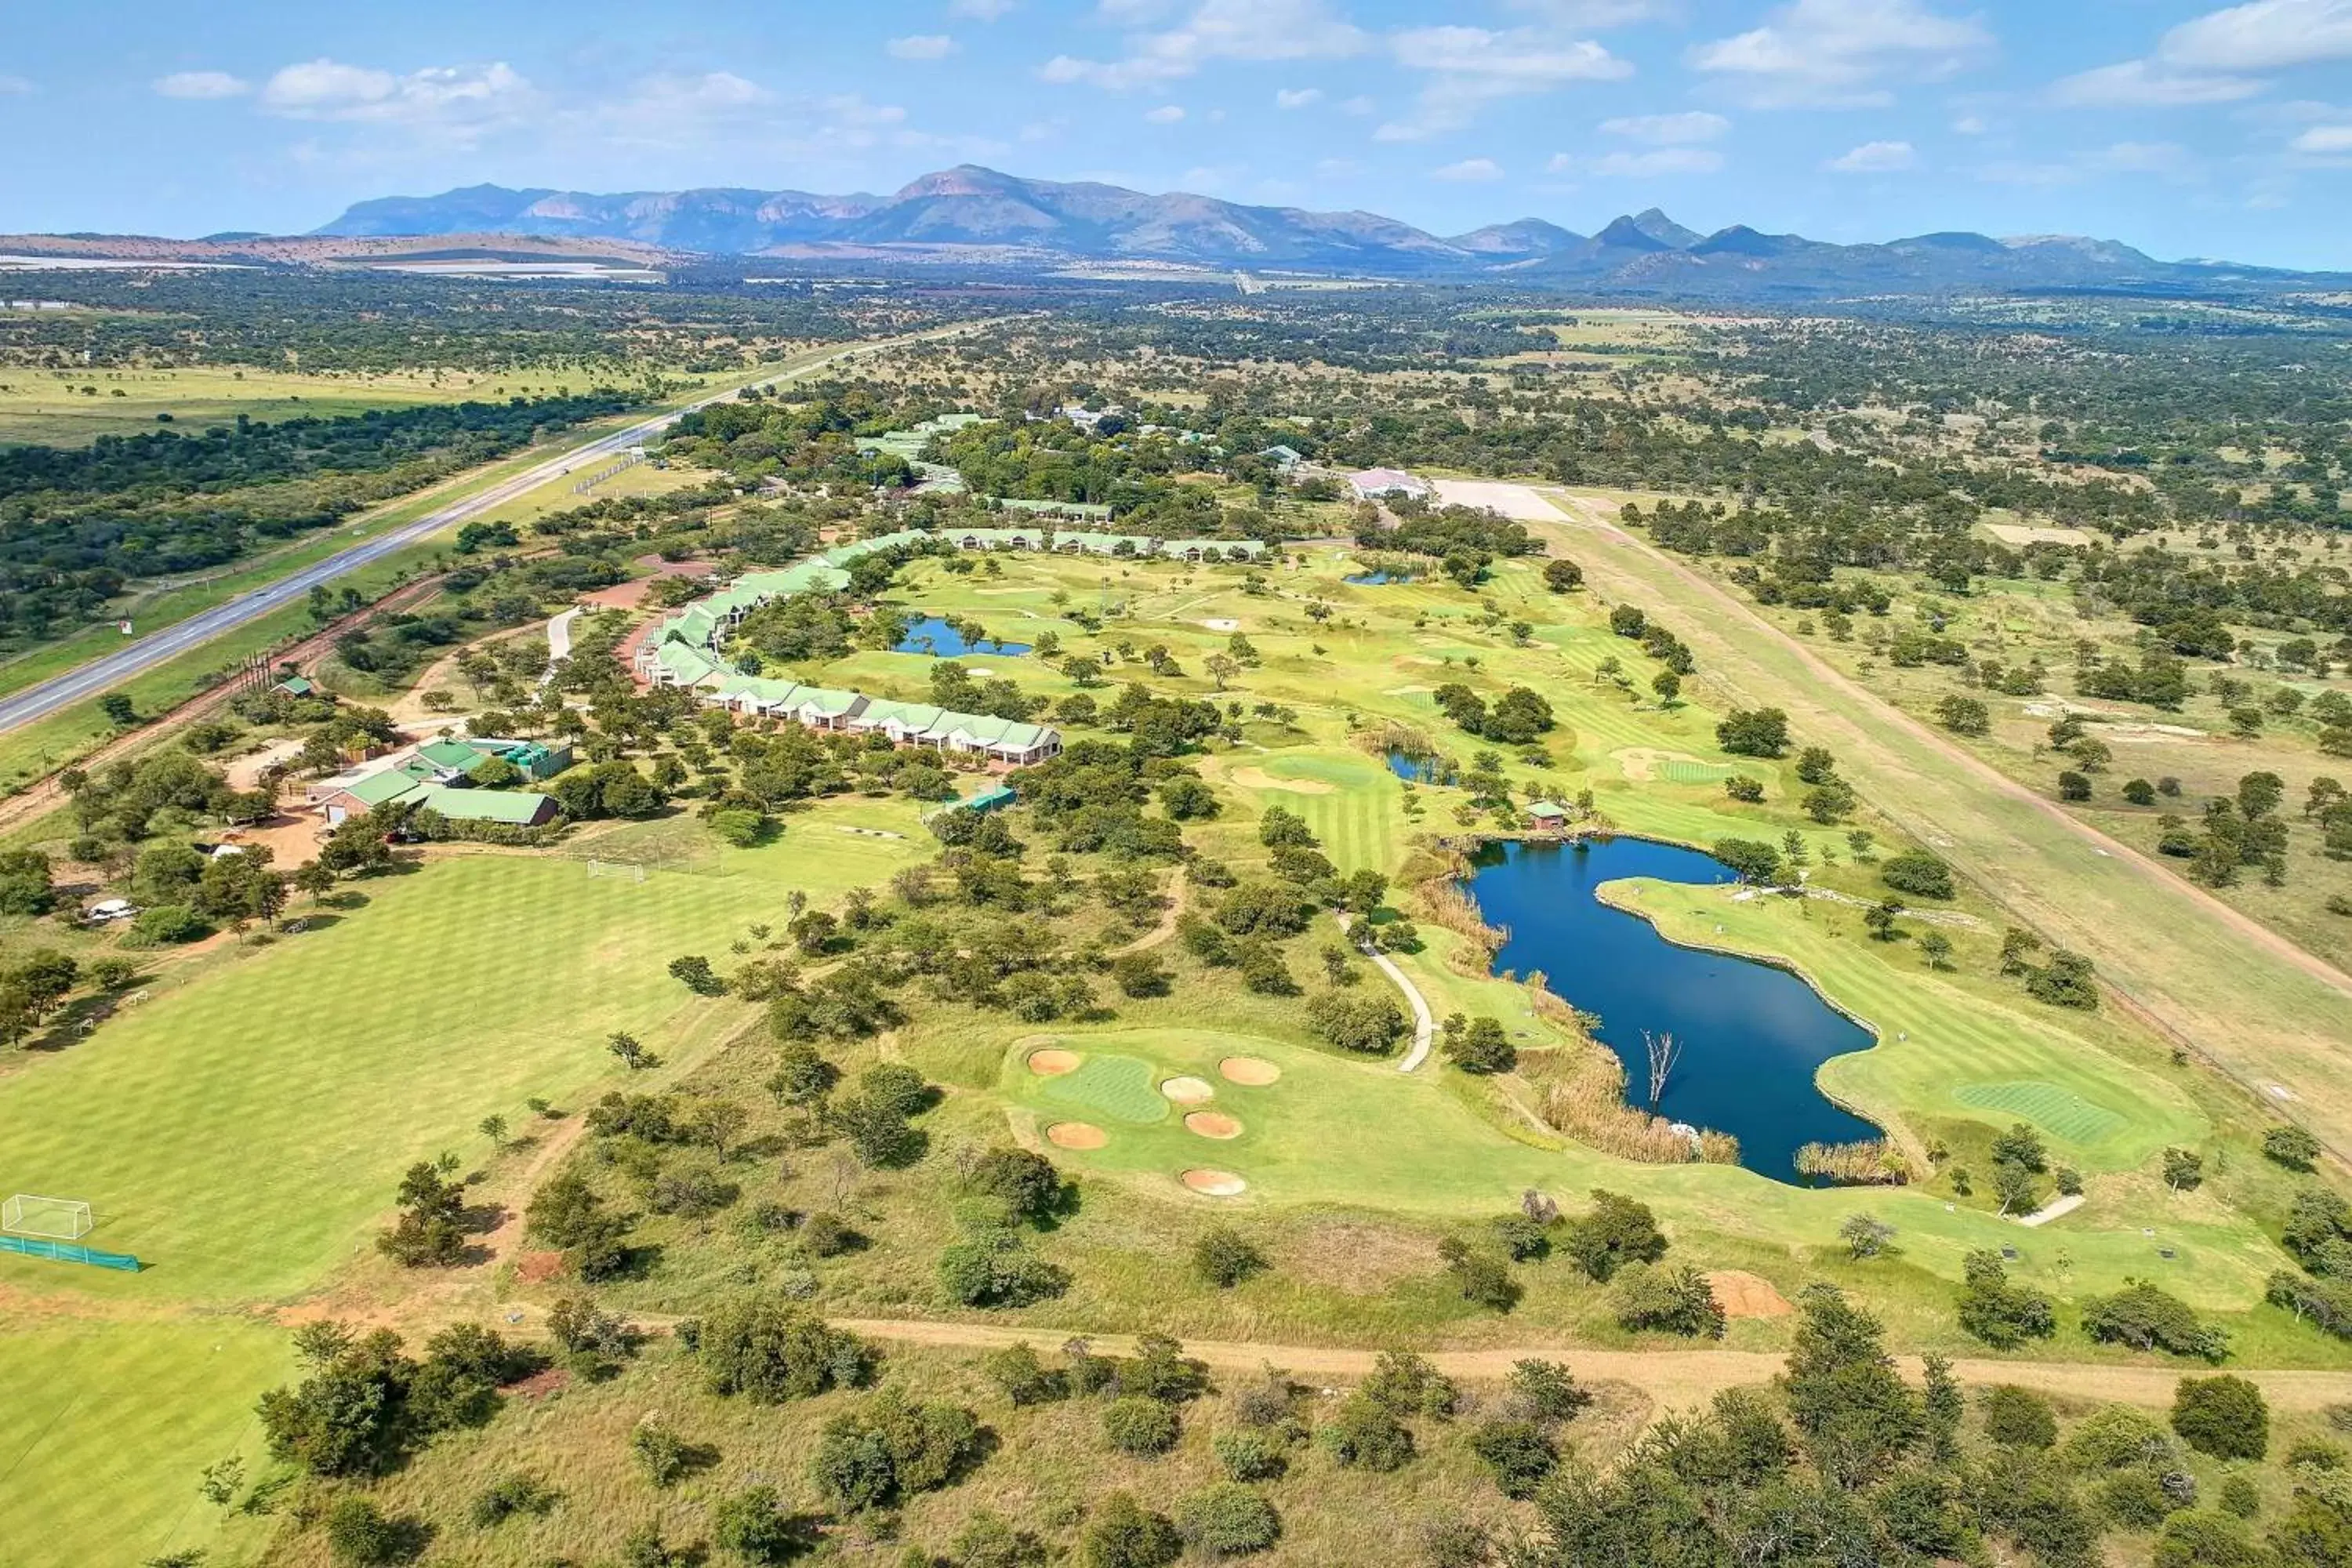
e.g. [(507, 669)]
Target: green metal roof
[(377, 788), (454, 754), (517, 807)]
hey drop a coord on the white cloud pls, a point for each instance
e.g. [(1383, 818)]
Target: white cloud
[(1166, 114), (202, 84), (1472, 67), (921, 46), (2265, 35), (1874, 158), (1297, 97), (1469, 171), (2167, 160), (451, 104), (1668, 130), (1663, 163), (1593, 12), (1248, 31), (1970, 125), (1359, 105), (15, 86), (978, 10), (2324, 140), (1840, 54), (2148, 84)]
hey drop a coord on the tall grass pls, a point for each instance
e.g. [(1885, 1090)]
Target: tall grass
[(1867, 1162), (1393, 735), (1580, 1091)]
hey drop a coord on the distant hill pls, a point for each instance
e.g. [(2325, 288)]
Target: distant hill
[(986, 217)]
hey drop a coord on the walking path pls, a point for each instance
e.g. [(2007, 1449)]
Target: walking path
[(2055, 1208), (1424, 1027), (558, 641)]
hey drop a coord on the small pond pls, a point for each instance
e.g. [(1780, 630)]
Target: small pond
[(1419, 770), (933, 635), (1752, 1035), (1378, 579)]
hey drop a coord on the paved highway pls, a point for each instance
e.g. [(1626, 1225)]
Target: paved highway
[(103, 674)]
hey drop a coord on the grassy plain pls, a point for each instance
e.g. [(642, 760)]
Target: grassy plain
[(71, 407)]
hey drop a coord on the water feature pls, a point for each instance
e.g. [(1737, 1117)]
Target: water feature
[(1752, 1035), (1419, 770), (933, 635), (1378, 579)]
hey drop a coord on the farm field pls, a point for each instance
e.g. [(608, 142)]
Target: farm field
[(51, 408)]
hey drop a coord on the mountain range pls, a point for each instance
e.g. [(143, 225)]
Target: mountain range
[(982, 215)]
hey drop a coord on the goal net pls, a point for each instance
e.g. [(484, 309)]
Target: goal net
[(627, 870), (56, 1219)]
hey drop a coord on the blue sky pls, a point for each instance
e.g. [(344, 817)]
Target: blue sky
[(2183, 128)]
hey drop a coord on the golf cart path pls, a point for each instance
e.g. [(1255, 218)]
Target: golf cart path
[(559, 642), (1424, 1027)]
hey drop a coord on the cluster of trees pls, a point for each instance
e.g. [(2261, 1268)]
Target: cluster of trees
[(1517, 718)]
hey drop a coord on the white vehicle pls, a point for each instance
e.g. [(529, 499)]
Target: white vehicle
[(107, 909)]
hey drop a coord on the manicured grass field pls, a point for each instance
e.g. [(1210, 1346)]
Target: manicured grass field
[(2054, 1109), (238, 1132), (105, 1425), (1125, 1089)]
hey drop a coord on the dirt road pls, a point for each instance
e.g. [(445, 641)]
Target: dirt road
[(1673, 1378)]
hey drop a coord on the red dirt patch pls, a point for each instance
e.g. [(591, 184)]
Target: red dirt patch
[(540, 1384), (537, 1267), (1214, 1184), (1744, 1295), (1252, 1072), (1076, 1135), (1212, 1124), (1189, 1091), (1053, 1062)]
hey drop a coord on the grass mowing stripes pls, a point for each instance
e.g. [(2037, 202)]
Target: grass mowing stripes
[(2046, 1105)]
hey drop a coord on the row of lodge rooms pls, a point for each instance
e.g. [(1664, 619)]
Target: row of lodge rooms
[(684, 651), (443, 776), (1123, 545)]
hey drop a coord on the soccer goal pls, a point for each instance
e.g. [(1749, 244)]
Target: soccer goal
[(629, 870), (55, 1219)]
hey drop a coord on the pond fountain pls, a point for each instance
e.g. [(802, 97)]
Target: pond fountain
[(1752, 1035)]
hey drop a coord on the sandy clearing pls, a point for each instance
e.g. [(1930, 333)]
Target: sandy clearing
[(1214, 1184), (1221, 623), (1189, 1091), (1520, 502), (2025, 533), (1258, 778), (1077, 1135), (1053, 1062), (1256, 1072), (1212, 1124), (1744, 1295)]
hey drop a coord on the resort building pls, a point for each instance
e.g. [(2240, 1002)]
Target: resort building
[(434, 775), (1373, 484)]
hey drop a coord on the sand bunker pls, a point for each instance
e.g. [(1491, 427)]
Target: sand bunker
[(1212, 1124), (1215, 1184), (1744, 1295), (1256, 1072), (1053, 1063), (1221, 623), (1076, 1135), (1258, 778), (1188, 1090)]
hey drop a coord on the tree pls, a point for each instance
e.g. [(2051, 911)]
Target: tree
[(1754, 733), (1225, 1257), (1479, 1045), (1563, 576), (1369, 1024), (115, 707), (1918, 873), (1515, 1453), (2147, 1317), (1752, 861), (362, 1535), (1227, 1519), (1619, 1230), (893, 1448), (1025, 1181), (2000, 1314), (1661, 1052), (2184, 1170), (1936, 949), (1675, 1300), (1963, 716), (567, 1213), (430, 1231), (694, 972), (633, 1054), (1844, 1392), (2291, 1146), (752, 1524), (1866, 1236), (1363, 1434), (2223, 1415)]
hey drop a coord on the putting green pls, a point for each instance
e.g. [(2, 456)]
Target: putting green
[(2046, 1105), (1694, 773), (1123, 1088)]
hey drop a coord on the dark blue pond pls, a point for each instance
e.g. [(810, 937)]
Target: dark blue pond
[(1752, 1035), (1417, 770), (934, 636), (1378, 579)]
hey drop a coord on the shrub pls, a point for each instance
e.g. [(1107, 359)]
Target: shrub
[(1675, 1300), (511, 1494), (1370, 1024), (2292, 1147), (362, 1534), (1024, 1379), (2146, 1318), (1751, 859), (2200, 1540), (2136, 1498), (1518, 1454), (986, 1540), (2114, 1435), (1225, 1257), (1406, 1385), (769, 1352), (1918, 873), (2019, 1419), (1253, 1454), (2001, 1314), (1547, 1391), (1139, 1424), (1362, 1433), (1026, 1182), (1123, 1533), (891, 1449), (752, 1524), (1618, 1231), (2224, 1416), (1227, 1519)]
